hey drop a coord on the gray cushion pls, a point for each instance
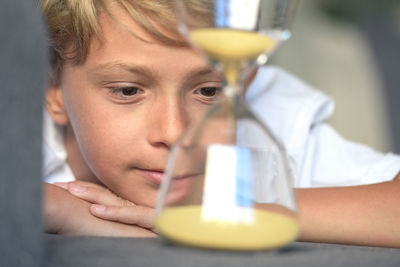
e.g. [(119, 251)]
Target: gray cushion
[(22, 79)]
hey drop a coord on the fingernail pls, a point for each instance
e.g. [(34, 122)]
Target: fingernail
[(62, 185), (77, 188), (98, 208)]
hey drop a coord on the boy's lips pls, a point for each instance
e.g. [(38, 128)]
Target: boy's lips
[(154, 176), (157, 176), (181, 188)]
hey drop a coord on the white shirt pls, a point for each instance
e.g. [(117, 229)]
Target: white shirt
[(296, 114)]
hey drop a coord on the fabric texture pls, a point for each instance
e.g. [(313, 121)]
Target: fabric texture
[(296, 114), (23, 76)]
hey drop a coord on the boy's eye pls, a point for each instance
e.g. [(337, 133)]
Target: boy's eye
[(208, 94), (126, 94), (126, 91), (209, 91)]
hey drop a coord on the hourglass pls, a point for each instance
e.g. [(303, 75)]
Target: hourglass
[(228, 183)]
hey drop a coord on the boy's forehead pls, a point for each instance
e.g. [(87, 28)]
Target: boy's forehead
[(124, 46), (118, 16), (117, 19)]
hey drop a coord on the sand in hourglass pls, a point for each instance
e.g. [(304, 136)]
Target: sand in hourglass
[(232, 48), (269, 230)]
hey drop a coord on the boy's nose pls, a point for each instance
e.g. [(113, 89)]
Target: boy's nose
[(167, 121)]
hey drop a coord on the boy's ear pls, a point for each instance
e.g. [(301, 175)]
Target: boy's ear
[(55, 104)]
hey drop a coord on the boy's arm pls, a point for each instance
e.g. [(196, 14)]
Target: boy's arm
[(104, 204), (358, 215), (361, 215), (66, 214)]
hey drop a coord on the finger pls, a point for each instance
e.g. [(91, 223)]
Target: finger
[(136, 215), (87, 184), (62, 185), (124, 230), (96, 194)]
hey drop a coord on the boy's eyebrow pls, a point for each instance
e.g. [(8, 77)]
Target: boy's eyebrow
[(109, 66), (147, 72), (204, 71)]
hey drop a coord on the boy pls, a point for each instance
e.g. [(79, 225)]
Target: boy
[(124, 85)]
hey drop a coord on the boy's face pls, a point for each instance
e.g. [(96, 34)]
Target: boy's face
[(129, 102)]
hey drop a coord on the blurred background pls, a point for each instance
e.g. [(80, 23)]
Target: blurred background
[(351, 51)]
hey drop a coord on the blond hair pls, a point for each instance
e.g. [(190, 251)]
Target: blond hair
[(72, 23)]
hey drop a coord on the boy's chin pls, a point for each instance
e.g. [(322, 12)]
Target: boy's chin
[(147, 199)]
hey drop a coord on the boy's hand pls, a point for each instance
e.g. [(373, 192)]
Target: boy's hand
[(108, 206), (67, 214)]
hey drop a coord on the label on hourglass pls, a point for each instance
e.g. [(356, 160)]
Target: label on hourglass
[(228, 188)]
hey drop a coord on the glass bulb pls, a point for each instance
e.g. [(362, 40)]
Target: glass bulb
[(228, 184)]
